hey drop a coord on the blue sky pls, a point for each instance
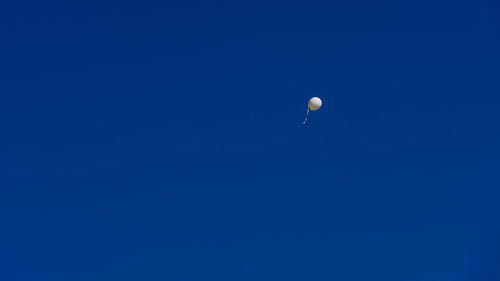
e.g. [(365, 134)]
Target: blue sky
[(163, 141)]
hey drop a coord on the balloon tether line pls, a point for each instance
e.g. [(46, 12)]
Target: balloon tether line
[(307, 114)]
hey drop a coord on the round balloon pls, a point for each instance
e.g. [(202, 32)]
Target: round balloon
[(314, 103)]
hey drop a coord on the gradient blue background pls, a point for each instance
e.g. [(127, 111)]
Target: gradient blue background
[(163, 141)]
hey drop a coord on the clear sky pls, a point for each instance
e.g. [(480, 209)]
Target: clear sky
[(163, 141)]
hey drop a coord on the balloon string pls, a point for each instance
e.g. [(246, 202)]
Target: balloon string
[(307, 114)]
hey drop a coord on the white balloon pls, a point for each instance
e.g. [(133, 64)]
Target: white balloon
[(314, 103)]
